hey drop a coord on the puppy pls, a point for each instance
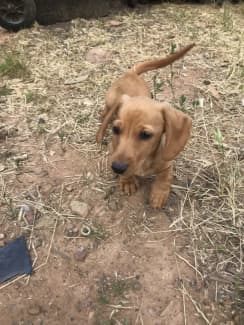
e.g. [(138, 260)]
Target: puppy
[(147, 135)]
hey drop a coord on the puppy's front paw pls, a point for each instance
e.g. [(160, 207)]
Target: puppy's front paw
[(128, 185), (158, 198)]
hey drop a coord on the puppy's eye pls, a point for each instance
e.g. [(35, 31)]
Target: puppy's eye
[(145, 135), (116, 130)]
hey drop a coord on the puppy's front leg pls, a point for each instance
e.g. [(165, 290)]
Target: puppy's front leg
[(161, 187), (128, 185)]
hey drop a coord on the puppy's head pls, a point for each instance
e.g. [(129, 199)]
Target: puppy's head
[(146, 130)]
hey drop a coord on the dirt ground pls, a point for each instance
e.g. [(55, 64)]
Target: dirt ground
[(138, 265)]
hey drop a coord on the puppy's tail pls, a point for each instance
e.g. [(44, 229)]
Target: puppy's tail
[(155, 64)]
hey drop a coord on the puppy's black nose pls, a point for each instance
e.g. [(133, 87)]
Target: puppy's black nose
[(118, 167)]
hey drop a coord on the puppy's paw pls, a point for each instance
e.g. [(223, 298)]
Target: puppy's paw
[(158, 198), (128, 185)]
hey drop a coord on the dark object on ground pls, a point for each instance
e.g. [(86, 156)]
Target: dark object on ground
[(53, 11), (14, 259), (133, 3), (18, 14)]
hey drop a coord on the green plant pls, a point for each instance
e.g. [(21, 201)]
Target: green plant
[(113, 289), (182, 103), (195, 103), (219, 139), (98, 232), (157, 85), (4, 91), (171, 77), (13, 67), (29, 96)]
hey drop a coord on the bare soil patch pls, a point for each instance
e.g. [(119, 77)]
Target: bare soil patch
[(180, 265)]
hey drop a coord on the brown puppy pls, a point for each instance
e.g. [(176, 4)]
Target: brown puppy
[(147, 135)]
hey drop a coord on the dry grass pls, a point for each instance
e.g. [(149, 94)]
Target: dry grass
[(211, 210)]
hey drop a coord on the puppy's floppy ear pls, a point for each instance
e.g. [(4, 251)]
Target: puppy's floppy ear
[(107, 116), (177, 128)]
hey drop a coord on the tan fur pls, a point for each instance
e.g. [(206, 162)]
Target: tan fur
[(128, 99)]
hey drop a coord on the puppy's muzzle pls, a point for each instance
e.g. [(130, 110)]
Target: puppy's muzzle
[(119, 167)]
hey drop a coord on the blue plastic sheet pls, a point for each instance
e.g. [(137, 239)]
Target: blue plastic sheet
[(14, 259)]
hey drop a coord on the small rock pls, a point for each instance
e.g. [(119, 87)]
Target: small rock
[(90, 176), (2, 236), (80, 208), (81, 254), (41, 121), (201, 102), (97, 55), (75, 231), (206, 82), (69, 230), (87, 102), (34, 310), (69, 189), (42, 118), (113, 23)]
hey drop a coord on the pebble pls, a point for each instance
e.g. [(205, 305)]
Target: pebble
[(2, 236), (69, 189), (81, 254), (206, 82), (69, 230), (113, 23), (80, 208)]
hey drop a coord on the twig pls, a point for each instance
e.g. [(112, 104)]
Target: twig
[(189, 264)]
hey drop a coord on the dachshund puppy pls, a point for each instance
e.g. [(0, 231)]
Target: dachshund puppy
[(147, 135)]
